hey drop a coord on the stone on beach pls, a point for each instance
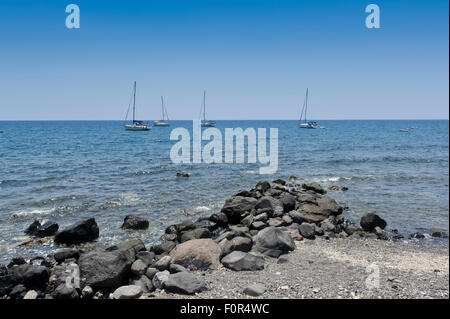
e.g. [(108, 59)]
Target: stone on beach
[(371, 220), (272, 241), (135, 223), (66, 253), (127, 292), (185, 283), (65, 292), (235, 207), (255, 290), (242, 261), (163, 263), (197, 254), (195, 234), (237, 244), (138, 267), (78, 233), (160, 278), (307, 230), (315, 187)]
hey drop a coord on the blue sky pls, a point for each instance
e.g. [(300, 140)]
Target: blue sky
[(255, 59)]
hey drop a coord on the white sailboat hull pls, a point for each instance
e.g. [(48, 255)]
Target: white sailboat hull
[(160, 123), (132, 127)]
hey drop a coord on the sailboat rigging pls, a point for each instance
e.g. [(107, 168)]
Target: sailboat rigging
[(204, 121), (165, 117), (305, 123), (136, 125)]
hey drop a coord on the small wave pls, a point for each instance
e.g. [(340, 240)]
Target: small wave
[(202, 209), (251, 172), (34, 212)]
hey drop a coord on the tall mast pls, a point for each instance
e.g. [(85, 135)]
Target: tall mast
[(134, 101), (204, 105), (306, 105), (162, 107)]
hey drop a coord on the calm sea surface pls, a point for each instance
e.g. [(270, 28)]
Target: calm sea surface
[(70, 170)]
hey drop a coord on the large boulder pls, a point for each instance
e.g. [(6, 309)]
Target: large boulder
[(106, 269), (36, 276), (329, 206), (236, 206), (370, 220), (242, 261), (135, 223), (310, 213), (84, 231), (197, 254), (185, 283), (66, 253), (307, 230), (274, 242), (42, 228)]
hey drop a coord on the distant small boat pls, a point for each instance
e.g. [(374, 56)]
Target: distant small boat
[(204, 121), (404, 130), (306, 124), (165, 117), (135, 125)]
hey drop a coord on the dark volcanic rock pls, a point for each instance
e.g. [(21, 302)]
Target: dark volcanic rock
[(262, 186), (239, 261), (81, 232), (235, 207), (106, 269), (66, 253), (164, 247), (272, 204), (18, 292), (307, 230), (280, 182), (135, 222), (195, 234), (315, 187), (65, 292), (370, 220), (185, 283), (288, 202), (237, 244), (36, 276), (219, 218), (274, 242), (42, 228)]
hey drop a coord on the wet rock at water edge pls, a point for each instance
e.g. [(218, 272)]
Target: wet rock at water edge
[(371, 220), (135, 223), (36, 276), (78, 233), (315, 187), (255, 290), (185, 283), (241, 261), (183, 175), (66, 253), (42, 228)]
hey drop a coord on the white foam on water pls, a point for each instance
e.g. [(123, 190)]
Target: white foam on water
[(34, 212), (202, 209)]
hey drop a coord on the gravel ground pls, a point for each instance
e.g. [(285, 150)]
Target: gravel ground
[(337, 269)]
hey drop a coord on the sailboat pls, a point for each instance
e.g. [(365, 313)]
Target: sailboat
[(165, 117), (305, 123), (205, 122), (135, 125)]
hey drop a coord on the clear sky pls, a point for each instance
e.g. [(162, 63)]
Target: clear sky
[(254, 58)]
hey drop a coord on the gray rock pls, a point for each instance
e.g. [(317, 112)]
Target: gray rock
[(163, 263), (197, 254), (247, 221), (66, 253), (78, 233), (329, 206), (255, 290), (287, 220), (242, 261), (174, 268), (36, 276), (42, 228), (272, 204), (258, 225), (274, 242), (65, 292), (127, 292), (185, 283), (237, 244), (160, 278), (138, 267), (144, 282), (135, 223), (150, 273), (263, 217), (236, 206), (288, 202), (315, 187), (18, 292), (370, 220), (106, 269), (195, 234), (328, 225), (162, 248), (148, 257), (219, 218), (307, 230)]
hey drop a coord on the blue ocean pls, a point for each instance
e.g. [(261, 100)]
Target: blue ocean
[(70, 170)]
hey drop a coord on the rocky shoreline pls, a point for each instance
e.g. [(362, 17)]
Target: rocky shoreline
[(258, 234)]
